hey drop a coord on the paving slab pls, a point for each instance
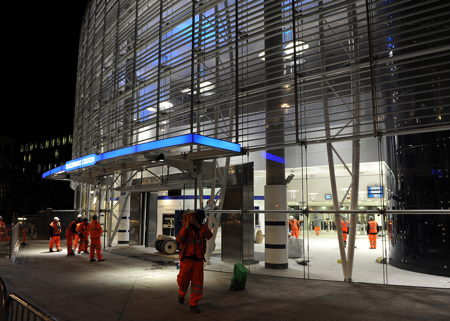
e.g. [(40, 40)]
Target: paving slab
[(131, 289)]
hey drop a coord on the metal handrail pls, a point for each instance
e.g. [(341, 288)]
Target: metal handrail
[(307, 211), (15, 299), (13, 307)]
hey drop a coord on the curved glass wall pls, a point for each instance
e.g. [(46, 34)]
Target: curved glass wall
[(332, 90)]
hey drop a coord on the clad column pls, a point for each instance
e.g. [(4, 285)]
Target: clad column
[(276, 256), (276, 226)]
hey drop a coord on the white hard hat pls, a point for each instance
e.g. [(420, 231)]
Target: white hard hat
[(1, 217), (291, 217), (79, 215), (56, 218)]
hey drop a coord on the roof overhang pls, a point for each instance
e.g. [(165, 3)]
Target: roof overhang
[(190, 146)]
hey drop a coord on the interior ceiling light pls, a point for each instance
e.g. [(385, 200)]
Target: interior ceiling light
[(285, 105), (162, 106), (289, 50), (165, 105), (206, 88)]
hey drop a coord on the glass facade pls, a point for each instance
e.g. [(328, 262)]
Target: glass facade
[(335, 93)]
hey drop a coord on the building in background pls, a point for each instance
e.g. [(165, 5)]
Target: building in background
[(7, 176), (33, 158)]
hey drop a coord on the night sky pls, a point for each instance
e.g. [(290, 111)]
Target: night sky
[(42, 51)]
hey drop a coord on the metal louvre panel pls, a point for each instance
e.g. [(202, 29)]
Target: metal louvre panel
[(150, 70)]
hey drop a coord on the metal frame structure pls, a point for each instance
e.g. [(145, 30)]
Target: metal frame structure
[(264, 74)]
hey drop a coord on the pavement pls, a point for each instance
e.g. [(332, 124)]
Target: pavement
[(126, 288)]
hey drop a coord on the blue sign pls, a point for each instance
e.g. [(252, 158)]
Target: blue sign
[(328, 197), (81, 162), (375, 191)]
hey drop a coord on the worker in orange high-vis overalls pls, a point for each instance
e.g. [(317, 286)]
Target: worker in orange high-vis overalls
[(83, 234), (317, 228), (191, 241), (55, 235), (372, 230), (95, 231), (71, 231), (294, 226), (344, 229), (76, 238)]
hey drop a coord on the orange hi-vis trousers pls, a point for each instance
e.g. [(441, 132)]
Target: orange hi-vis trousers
[(96, 247), (76, 240), (317, 230), (191, 272), (373, 241), (69, 241), (84, 243), (56, 240)]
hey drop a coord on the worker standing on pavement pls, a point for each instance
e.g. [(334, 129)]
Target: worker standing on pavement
[(71, 231), (83, 235), (95, 231), (294, 226), (191, 241), (372, 230), (344, 229), (76, 239), (55, 234)]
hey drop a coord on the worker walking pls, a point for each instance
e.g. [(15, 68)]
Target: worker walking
[(83, 235), (71, 231), (55, 234), (344, 229), (294, 226), (95, 231), (372, 231), (191, 240)]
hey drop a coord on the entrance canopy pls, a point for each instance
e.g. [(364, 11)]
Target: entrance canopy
[(190, 146)]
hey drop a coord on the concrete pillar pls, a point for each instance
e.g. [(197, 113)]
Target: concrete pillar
[(275, 190)]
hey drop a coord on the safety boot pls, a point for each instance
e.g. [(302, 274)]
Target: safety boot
[(195, 309)]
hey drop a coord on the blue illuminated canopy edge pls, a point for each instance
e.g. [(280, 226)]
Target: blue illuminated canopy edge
[(92, 159)]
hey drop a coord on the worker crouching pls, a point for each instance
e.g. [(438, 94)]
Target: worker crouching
[(82, 230), (192, 247)]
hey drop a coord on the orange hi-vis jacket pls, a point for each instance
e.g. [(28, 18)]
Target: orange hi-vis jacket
[(82, 228), (95, 230), (373, 227), (294, 224), (192, 242), (55, 228), (344, 226), (72, 228)]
